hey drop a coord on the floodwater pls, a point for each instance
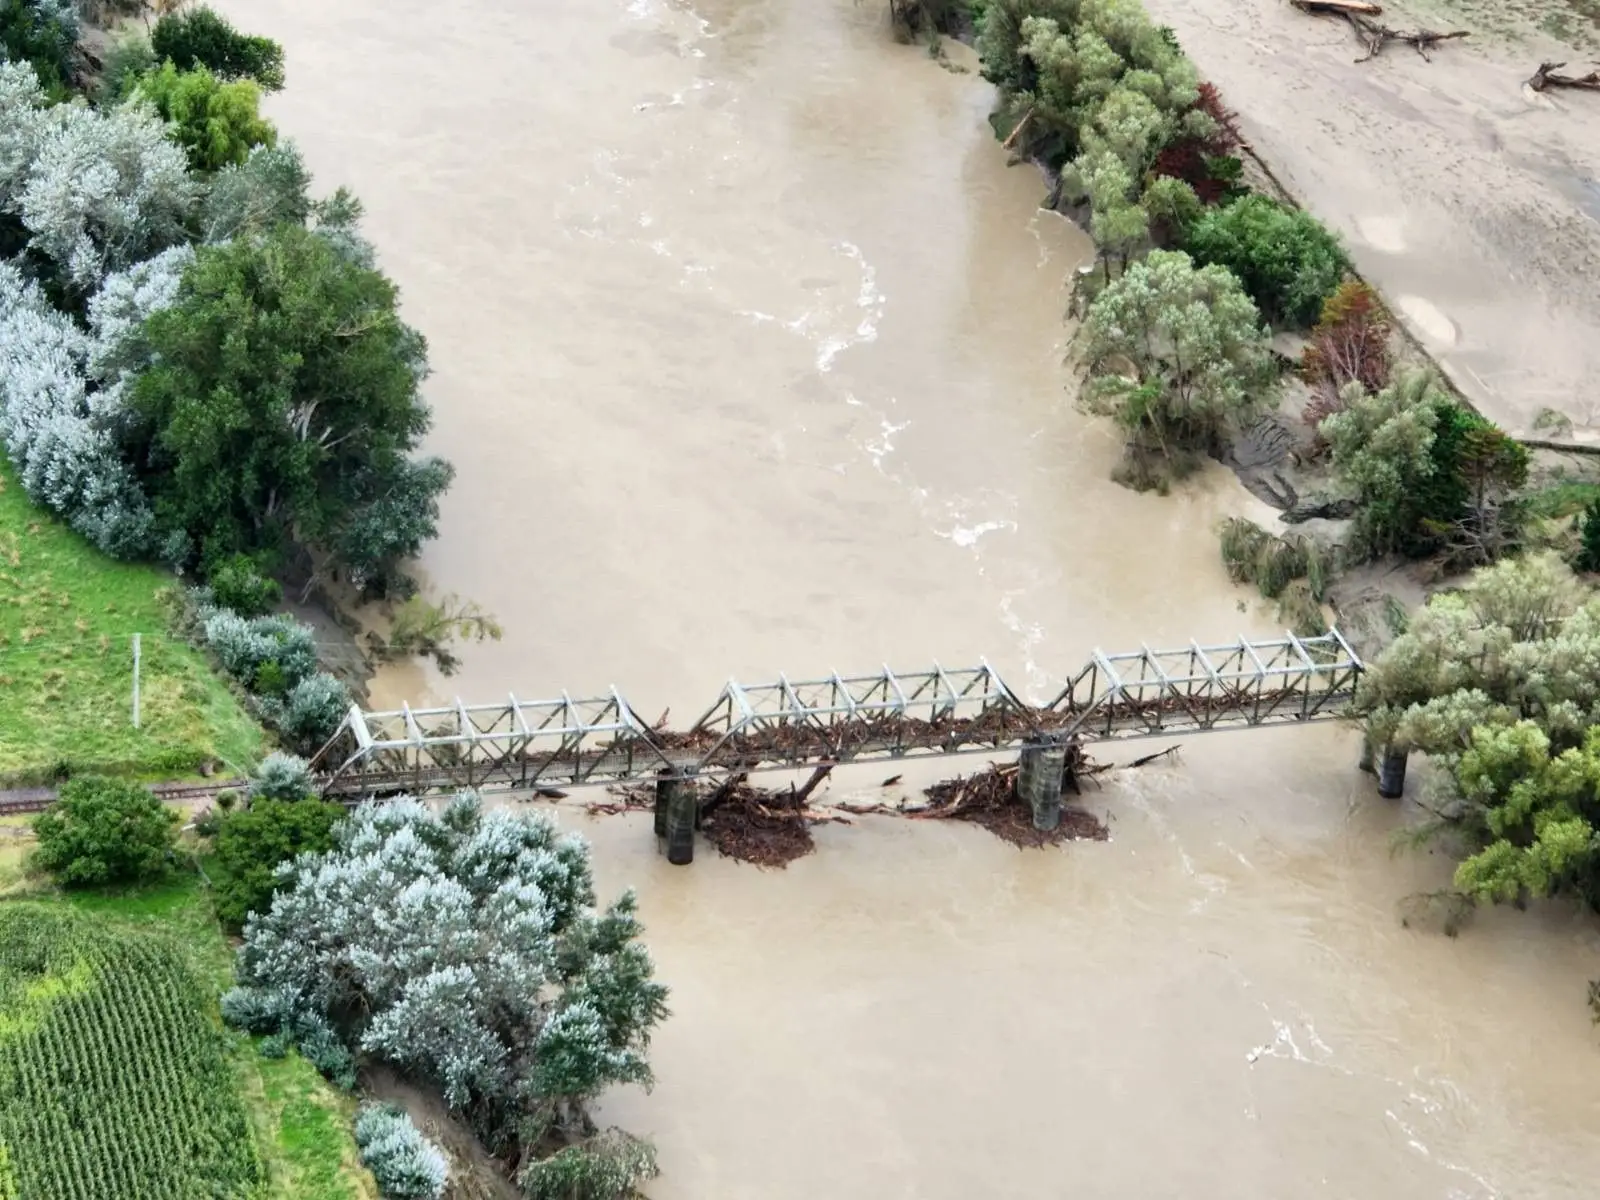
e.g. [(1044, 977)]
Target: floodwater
[(749, 354)]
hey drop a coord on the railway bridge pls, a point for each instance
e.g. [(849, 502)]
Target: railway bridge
[(528, 745)]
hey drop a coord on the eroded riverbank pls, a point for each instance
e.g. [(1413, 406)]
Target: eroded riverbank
[(748, 349)]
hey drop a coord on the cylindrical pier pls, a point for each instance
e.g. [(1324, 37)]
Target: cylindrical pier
[(1392, 774), (1039, 782), (663, 794), (681, 806)]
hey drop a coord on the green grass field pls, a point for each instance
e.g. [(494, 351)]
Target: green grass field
[(67, 616), (286, 1121)]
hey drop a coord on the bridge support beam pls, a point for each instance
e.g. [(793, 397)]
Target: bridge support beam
[(677, 813), (1039, 779), (1392, 774)]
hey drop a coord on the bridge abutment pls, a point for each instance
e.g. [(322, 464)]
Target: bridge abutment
[(1039, 779)]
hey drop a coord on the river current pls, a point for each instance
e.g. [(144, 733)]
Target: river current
[(749, 351)]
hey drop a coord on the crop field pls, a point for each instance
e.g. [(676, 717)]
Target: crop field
[(67, 619), (115, 1079)]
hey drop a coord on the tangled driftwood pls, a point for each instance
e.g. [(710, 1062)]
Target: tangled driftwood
[(1371, 34), (1546, 77)]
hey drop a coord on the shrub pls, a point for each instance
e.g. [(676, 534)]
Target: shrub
[(609, 1166), (1195, 346), (244, 646), (104, 831), (281, 777), (308, 716), (216, 123), (1350, 344), (268, 189), (1286, 259), (127, 60), (406, 1165), (1589, 552), (202, 38), (237, 583)]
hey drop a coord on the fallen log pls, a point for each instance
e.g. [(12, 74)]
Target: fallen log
[(1150, 758), (1015, 133), (1375, 37), (1546, 77), (817, 777), (1336, 8)]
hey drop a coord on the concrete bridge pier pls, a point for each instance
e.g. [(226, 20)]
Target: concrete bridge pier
[(1039, 779), (1392, 773), (677, 815)]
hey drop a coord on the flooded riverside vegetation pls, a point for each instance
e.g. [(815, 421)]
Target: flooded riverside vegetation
[(748, 351)]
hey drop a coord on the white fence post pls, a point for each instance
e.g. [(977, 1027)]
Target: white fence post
[(136, 681)]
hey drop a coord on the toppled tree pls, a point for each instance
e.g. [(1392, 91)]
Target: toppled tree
[(464, 949), (1177, 354)]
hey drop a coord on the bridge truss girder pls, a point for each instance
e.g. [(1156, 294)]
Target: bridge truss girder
[(529, 744)]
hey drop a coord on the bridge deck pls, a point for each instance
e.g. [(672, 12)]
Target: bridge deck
[(528, 744)]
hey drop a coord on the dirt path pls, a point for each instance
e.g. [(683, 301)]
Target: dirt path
[(1468, 198)]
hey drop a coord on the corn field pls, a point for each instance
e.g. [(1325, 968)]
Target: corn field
[(115, 1079)]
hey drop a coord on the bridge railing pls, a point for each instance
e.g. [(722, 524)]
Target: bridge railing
[(518, 744)]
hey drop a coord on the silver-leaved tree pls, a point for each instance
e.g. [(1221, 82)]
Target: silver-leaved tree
[(464, 949)]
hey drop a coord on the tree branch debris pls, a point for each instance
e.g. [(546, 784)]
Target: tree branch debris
[(772, 827), (1546, 77), (1370, 33)]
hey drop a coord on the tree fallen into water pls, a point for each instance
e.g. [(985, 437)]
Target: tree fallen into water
[(1547, 76)]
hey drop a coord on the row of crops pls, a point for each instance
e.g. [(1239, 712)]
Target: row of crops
[(115, 1080)]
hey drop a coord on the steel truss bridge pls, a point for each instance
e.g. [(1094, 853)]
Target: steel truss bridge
[(518, 744)]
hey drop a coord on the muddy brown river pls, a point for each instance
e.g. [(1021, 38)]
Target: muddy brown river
[(749, 352)]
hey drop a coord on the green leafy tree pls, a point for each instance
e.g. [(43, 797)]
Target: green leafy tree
[(252, 843), (284, 404), (216, 123), (102, 831), (200, 37), (1287, 260), (1589, 548), (1196, 348), (1430, 476)]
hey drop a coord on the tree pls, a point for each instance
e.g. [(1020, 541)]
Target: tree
[(95, 192), (102, 831), (252, 843), (1350, 344), (284, 404), (1430, 476), (216, 123), (1196, 347), (202, 38), (463, 948), (1287, 260)]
